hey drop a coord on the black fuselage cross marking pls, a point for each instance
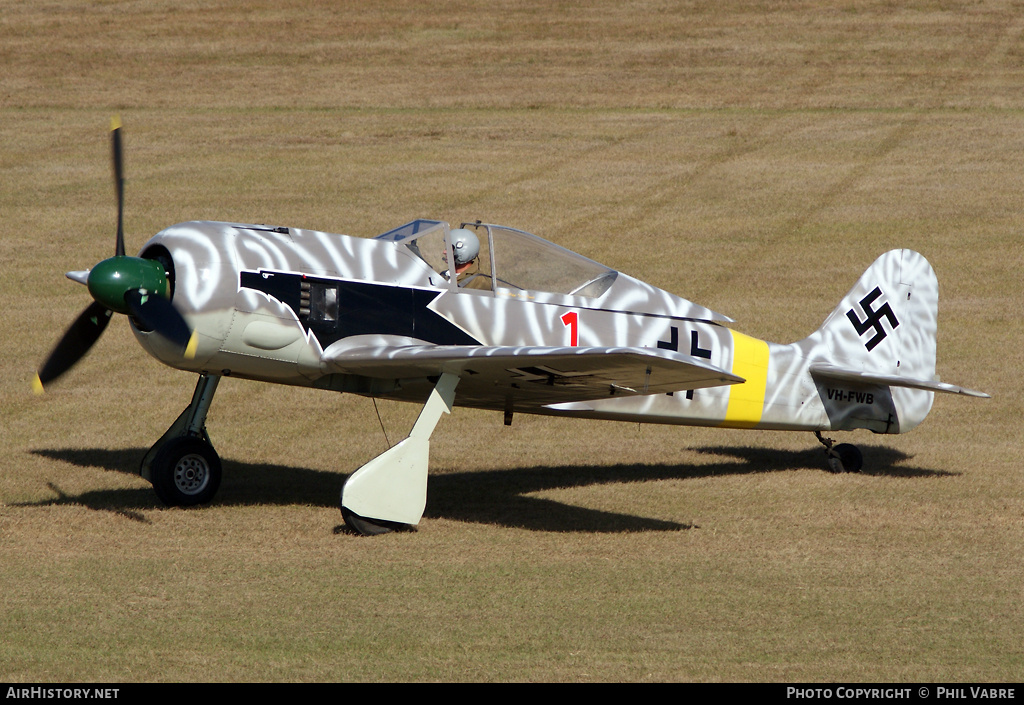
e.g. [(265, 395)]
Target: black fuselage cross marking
[(695, 350), (873, 319)]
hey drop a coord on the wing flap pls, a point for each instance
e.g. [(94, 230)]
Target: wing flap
[(847, 375), (531, 375)]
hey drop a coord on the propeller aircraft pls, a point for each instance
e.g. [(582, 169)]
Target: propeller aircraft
[(516, 324)]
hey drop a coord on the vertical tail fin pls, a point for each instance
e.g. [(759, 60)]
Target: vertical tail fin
[(878, 345), (887, 322)]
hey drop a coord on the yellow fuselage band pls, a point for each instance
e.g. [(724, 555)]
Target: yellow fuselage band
[(746, 401)]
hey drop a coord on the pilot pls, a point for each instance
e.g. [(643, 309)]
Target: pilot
[(466, 249)]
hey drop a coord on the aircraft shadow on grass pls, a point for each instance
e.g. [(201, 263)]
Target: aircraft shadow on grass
[(500, 497)]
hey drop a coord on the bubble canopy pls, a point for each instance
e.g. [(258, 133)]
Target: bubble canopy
[(510, 259)]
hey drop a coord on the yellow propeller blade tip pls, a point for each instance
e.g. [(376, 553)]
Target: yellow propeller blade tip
[(37, 384), (115, 123), (190, 349)]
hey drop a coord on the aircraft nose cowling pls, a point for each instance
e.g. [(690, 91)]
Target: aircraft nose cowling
[(202, 282)]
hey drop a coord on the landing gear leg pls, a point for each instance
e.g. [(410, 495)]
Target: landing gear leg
[(183, 466), (390, 492), (843, 457)]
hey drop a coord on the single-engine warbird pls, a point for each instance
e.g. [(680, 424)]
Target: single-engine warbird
[(513, 323)]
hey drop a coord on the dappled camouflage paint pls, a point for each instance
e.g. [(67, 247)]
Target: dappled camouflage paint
[(389, 323)]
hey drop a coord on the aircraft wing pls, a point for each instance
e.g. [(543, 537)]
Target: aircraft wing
[(531, 376)]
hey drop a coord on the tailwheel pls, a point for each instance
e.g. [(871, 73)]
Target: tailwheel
[(371, 527), (850, 457), (186, 471), (844, 457)]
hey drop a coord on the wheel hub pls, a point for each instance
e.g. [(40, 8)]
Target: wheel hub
[(191, 474)]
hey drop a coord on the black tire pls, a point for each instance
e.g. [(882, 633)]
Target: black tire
[(370, 527), (186, 472), (850, 457)]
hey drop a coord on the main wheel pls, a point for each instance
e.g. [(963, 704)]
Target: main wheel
[(370, 527), (186, 472)]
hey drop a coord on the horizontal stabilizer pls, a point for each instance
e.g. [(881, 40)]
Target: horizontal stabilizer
[(531, 376), (833, 372)]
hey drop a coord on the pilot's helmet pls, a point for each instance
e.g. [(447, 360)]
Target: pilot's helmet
[(465, 246)]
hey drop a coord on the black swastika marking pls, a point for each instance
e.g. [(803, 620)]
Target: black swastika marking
[(873, 319)]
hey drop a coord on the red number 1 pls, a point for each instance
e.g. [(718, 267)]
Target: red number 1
[(572, 320)]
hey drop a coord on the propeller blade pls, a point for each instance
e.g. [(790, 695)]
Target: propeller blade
[(76, 342), (156, 313), (115, 143)]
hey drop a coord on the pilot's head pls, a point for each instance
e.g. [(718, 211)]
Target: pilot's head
[(465, 246)]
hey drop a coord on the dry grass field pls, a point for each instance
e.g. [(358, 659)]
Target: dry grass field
[(753, 157)]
